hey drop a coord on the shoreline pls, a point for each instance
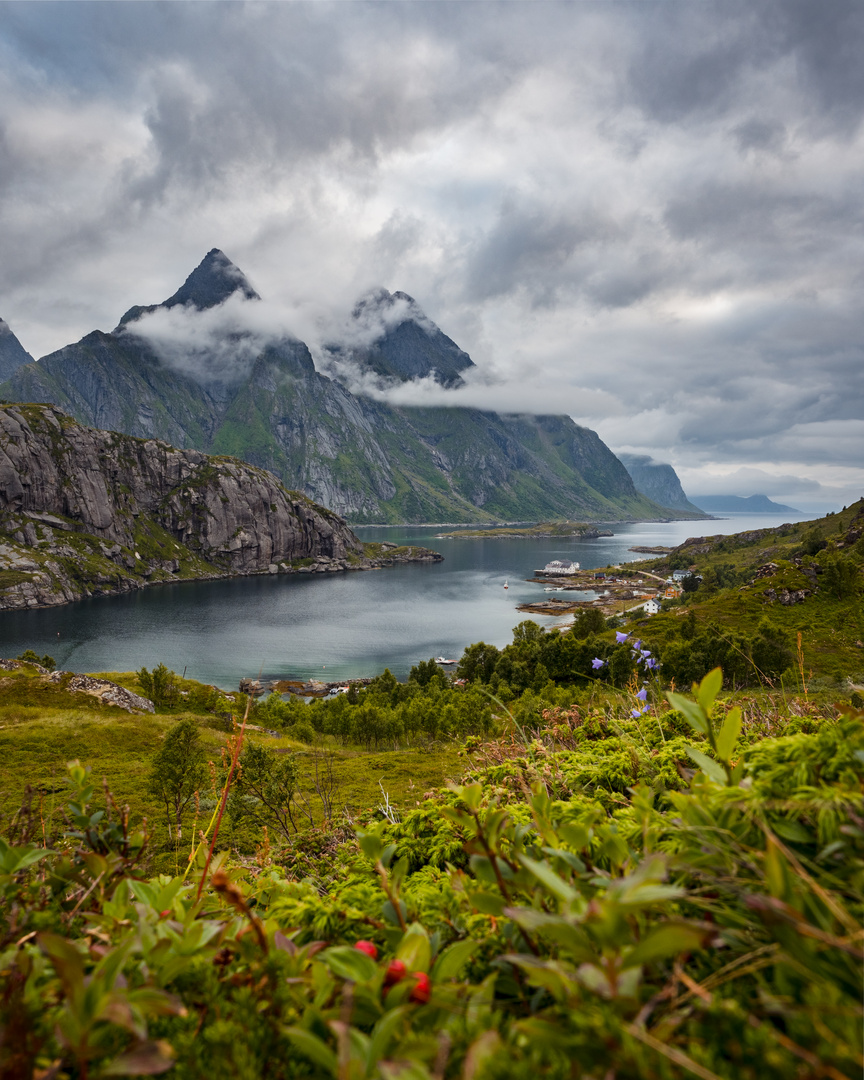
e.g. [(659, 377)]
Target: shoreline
[(19, 597)]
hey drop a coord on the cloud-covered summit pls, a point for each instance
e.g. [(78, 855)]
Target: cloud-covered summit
[(389, 335)]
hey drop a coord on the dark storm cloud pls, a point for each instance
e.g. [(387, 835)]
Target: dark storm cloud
[(529, 248), (656, 204), (698, 59), (760, 134)]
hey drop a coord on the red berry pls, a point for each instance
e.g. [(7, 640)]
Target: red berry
[(422, 988), (396, 971), (164, 914), (367, 947)]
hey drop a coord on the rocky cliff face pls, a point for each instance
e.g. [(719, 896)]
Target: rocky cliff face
[(360, 457), (12, 352), (85, 511), (658, 482)]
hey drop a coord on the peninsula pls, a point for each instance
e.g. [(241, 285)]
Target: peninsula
[(84, 512)]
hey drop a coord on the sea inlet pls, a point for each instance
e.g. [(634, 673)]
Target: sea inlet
[(330, 626)]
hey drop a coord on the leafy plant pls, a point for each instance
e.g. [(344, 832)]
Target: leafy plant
[(177, 772)]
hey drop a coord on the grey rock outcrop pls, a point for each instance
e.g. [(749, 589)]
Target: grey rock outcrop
[(102, 481), (83, 511)]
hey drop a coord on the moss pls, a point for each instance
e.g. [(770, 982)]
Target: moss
[(10, 578)]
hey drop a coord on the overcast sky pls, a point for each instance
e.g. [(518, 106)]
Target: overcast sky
[(648, 215)]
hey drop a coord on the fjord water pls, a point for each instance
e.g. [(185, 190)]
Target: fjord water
[(330, 626)]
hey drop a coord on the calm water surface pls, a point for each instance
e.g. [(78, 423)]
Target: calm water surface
[(329, 626)]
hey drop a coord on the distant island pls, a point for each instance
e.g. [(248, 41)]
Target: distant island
[(735, 504), (580, 529)]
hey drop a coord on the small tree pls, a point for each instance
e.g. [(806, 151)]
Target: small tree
[(264, 789), (158, 684), (842, 576), (177, 771)]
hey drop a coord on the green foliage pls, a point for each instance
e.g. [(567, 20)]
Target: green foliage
[(712, 931), (842, 577), (160, 684), (30, 657), (265, 790), (812, 542), (177, 772)]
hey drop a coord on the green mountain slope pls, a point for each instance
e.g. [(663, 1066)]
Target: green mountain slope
[(362, 458)]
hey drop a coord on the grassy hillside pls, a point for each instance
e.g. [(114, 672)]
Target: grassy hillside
[(803, 579)]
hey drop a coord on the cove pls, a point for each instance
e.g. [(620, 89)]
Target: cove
[(329, 626)]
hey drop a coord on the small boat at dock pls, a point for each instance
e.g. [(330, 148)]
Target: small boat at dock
[(441, 660)]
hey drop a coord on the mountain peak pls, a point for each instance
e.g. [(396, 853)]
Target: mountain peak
[(393, 308), (404, 343), (12, 352), (212, 281)]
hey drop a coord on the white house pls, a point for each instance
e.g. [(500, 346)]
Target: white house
[(559, 566), (651, 607)]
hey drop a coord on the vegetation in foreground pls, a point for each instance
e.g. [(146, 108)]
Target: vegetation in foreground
[(621, 881), (704, 922)]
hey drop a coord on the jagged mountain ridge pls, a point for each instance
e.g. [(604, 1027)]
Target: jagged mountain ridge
[(12, 353), (362, 458), (210, 283), (657, 481)]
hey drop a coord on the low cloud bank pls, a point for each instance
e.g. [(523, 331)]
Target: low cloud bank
[(220, 345)]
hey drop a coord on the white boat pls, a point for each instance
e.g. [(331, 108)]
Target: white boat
[(506, 586), (441, 660)]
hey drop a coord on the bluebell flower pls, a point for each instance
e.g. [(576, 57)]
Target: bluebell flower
[(651, 664), (646, 653), (643, 693), (621, 637), (597, 663), (636, 713)]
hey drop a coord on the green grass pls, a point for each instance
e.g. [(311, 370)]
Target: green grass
[(43, 726), (831, 627)]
